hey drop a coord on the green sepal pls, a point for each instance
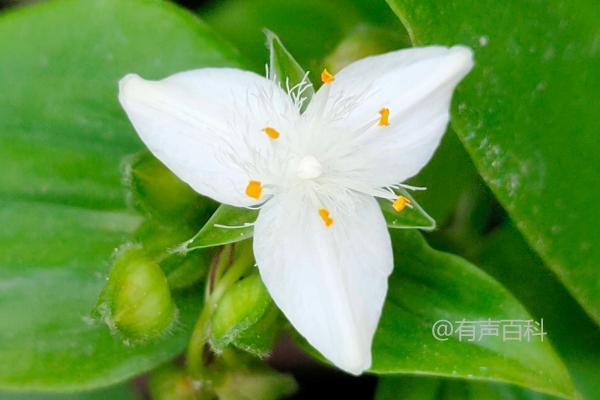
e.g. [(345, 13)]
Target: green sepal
[(260, 338), (227, 225), (285, 70), (412, 217)]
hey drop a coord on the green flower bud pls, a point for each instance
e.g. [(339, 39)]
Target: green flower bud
[(136, 300), (259, 339), (242, 306), (156, 191), (248, 378), (171, 382)]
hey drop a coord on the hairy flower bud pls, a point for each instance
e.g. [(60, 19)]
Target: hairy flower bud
[(171, 382), (136, 300)]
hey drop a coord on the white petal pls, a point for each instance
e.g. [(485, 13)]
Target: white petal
[(330, 282), (205, 125), (416, 85)]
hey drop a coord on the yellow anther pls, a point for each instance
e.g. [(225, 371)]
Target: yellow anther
[(326, 77), (254, 189), (271, 132), (400, 203), (384, 120), (324, 214)]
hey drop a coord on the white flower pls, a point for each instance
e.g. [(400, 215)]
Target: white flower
[(320, 241)]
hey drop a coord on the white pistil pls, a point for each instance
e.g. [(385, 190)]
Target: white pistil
[(309, 168)]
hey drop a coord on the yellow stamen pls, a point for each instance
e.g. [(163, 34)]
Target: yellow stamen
[(324, 214), (400, 203), (254, 189), (271, 132), (384, 120), (326, 77)]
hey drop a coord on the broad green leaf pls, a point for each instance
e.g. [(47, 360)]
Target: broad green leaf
[(576, 337), (62, 139), (242, 306), (285, 69), (526, 116), (428, 286), (420, 388), (63, 133), (227, 225), (54, 262), (119, 392)]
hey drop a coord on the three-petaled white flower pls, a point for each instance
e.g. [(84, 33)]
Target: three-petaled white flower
[(320, 240)]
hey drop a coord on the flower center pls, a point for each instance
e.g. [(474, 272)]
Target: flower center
[(309, 168)]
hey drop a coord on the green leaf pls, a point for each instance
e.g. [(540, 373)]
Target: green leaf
[(242, 306), (119, 392), (62, 139), (525, 115), (419, 388), (54, 261), (428, 286), (285, 69), (576, 337)]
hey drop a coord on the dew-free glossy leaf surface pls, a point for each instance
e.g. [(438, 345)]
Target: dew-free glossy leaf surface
[(54, 261), (62, 139), (574, 334), (527, 114), (427, 286), (420, 388), (119, 392)]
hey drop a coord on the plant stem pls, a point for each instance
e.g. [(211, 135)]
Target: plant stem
[(243, 262)]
